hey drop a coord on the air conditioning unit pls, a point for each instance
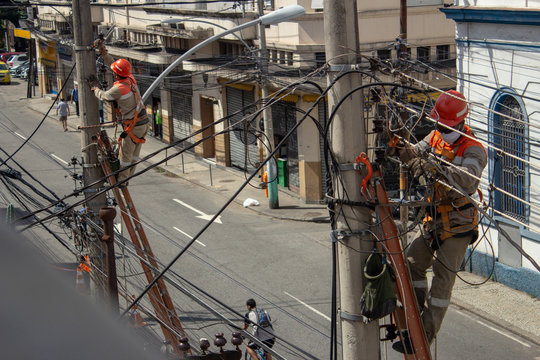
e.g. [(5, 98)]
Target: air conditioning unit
[(103, 29), (119, 34)]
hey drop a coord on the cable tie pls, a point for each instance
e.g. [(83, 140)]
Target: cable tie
[(351, 166), (88, 166), (92, 190), (343, 67), (351, 317), (83, 48), (338, 234), (88, 146)]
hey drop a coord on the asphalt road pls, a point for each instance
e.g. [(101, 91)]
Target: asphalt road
[(284, 265)]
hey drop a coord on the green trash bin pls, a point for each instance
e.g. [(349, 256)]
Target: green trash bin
[(283, 175)]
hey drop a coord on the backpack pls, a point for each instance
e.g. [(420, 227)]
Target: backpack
[(263, 319)]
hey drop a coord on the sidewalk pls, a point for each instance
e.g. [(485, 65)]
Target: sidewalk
[(515, 311)]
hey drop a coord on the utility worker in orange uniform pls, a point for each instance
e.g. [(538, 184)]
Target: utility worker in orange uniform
[(130, 111), (451, 222)]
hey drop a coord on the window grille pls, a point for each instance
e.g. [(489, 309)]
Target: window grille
[(385, 54), (422, 53), (511, 136), (443, 52)]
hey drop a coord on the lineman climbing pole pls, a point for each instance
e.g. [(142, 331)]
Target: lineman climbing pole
[(85, 62), (360, 340)]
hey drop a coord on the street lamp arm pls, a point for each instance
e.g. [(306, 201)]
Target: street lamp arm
[(283, 14), (200, 45)]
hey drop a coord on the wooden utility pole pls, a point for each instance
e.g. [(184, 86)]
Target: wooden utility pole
[(349, 139), (86, 66)]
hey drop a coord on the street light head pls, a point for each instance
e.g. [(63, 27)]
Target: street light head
[(283, 14)]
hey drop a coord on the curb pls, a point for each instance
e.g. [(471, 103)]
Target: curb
[(317, 219), (240, 202), (500, 322)]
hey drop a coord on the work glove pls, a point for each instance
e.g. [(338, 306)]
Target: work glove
[(92, 81), (421, 167), (98, 44)]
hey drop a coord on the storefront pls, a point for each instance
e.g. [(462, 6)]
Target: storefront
[(48, 83)]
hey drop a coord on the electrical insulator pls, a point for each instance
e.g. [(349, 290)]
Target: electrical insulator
[(378, 125), (380, 155)]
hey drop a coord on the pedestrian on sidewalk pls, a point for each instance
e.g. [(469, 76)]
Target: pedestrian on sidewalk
[(451, 223), (130, 111), (159, 121), (75, 98), (62, 109)]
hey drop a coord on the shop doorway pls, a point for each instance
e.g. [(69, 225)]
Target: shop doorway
[(207, 119)]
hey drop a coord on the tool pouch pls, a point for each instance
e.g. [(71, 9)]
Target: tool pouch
[(114, 164), (379, 297)]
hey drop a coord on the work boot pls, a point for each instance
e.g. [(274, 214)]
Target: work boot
[(398, 345)]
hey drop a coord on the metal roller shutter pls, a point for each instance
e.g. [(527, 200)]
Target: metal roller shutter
[(145, 74), (284, 119), (181, 91), (240, 138)]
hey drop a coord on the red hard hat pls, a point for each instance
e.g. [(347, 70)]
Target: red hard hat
[(121, 67), (449, 109)]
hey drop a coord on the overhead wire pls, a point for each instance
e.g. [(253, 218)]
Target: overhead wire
[(41, 122), (178, 286), (147, 225), (172, 144)]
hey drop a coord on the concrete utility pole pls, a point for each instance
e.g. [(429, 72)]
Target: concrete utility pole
[(271, 168), (30, 84), (349, 138), (403, 171), (86, 66), (6, 37)]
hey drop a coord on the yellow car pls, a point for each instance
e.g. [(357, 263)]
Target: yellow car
[(5, 78)]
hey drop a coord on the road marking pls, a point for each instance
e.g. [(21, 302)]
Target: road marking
[(19, 135), (308, 306), (496, 330), (201, 214), (59, 159), (186, 234)]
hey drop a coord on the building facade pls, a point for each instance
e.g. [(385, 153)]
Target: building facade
[(497, 66), (222, 80)]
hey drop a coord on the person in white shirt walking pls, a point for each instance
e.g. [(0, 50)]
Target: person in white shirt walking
[(62, 109)]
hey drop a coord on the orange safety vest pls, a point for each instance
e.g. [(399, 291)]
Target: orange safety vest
[(126, 87), (83, 266), (440, 194)]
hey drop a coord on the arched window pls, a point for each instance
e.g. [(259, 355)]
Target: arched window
[(509, 133)]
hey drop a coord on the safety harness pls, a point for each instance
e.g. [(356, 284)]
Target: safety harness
[(440, 192), (126, 90)]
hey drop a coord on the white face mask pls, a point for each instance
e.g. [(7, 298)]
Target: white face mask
[(450, 138)]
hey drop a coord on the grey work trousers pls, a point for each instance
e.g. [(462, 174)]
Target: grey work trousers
[(129, 151), (445, 261)]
